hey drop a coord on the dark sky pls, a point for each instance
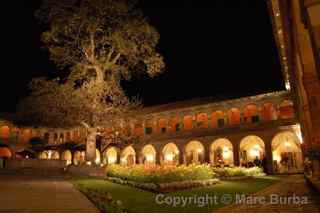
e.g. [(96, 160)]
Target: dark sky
[(224, 48)]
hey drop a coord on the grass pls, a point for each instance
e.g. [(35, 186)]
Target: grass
[(140, 201)]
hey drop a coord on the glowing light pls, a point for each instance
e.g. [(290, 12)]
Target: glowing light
[(111, 160), (169, 157), (89, 163), (176, 152), (287, 144), (299, 134), (124, 160), (149, 158), (254, 152), (277, 158), (226, 152), (49, 154), (199, 150), (97, 161), (288, 87)]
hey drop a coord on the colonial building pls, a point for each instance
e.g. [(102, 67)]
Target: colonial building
[(277, 127)]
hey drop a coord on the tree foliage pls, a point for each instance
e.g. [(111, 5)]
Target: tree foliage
[(101, 42)]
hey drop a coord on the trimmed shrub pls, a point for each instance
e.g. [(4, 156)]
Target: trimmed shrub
[(142, 174)]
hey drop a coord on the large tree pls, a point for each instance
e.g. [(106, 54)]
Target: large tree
[(100, 42)]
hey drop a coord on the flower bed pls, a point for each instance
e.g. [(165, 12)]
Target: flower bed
[(238, 172), (165, 187), (103, 201), (142, 174)]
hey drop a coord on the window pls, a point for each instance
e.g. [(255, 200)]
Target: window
[(148, 130), (255, 119), (179, 126), (220, 122), (163, 130)]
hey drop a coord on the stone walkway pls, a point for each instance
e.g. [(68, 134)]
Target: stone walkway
[(26, 194), (292, 186)]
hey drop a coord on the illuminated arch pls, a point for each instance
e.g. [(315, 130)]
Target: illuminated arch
[(251, 113), (67, 156), (79, 158), (221, 153), (170, 154), (149, 155), (5, 152), (128, 156), (111, 155), (194, 152), (202, 120), (251, 147), (98, 157), (268, 112), (287, 153), (4, 133), (234, 116), (286, 109)]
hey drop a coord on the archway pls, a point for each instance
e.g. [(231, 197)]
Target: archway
[(234, 116), (252, 151), (170, 155), (43, 155), (79, 157), (286, 153), (221, 153), (54, 155), (67, 156), (194, 153), (111, 156), (149, 155), (4, 133), (128, 156)]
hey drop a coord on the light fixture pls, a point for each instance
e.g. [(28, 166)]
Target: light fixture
[(226, 152), (199, 150), (149, 158), (169, 157), (111, 160)]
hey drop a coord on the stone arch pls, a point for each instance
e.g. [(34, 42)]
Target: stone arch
[(286, 153), (170, 155), (79, 157), (128, 156), (111, 155), (221, 152), (67, 156), (43, 155), (148, 155), (4, 133), (202, 120), (268, 112), (194, 152), (251, 114), (188, 122), (252, 147), (234, 117), (54, 155), (286, 109), (5, 152)]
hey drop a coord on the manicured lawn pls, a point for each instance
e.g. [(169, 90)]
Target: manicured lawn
[(139, 201)]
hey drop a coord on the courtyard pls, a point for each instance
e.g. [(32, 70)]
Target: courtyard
[(40, 194)]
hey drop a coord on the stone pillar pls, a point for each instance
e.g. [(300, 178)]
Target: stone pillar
[(207, 152), (236, 153), (269, 157), (138, 156)]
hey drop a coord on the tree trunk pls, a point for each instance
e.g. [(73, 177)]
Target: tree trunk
[(91, 145)]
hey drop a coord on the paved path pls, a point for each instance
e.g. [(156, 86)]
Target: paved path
[(26, 194), (291, 185)]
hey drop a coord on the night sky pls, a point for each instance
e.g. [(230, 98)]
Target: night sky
[(223, 49)]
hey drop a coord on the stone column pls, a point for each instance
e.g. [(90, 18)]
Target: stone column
[(236, 153), (268, 156), (207, 152)]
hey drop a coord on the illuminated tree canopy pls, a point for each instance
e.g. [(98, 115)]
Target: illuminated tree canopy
[(100, 42)]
